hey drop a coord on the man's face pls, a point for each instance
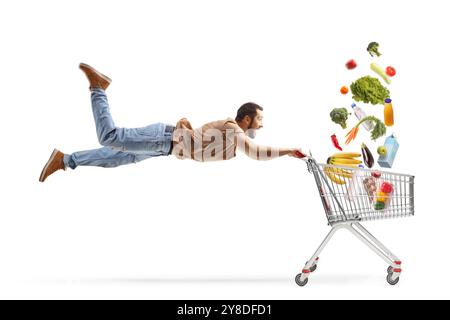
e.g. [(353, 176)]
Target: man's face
[(256, 124), (258, 120)]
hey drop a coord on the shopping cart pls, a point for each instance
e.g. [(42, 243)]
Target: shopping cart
[(353, 195)]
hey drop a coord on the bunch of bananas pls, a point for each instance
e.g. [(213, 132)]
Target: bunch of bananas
[(347, 159)]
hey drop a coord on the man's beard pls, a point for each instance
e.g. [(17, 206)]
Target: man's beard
[(251, 133)]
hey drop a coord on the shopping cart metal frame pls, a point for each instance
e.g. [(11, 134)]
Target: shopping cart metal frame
[(342, 214)]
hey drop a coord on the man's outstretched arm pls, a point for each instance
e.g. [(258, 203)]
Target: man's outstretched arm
[(258, 152)]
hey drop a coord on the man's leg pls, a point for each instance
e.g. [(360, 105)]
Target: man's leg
[(152, 138), (103, 157)]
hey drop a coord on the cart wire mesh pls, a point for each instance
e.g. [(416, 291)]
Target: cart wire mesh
[(356, 194)]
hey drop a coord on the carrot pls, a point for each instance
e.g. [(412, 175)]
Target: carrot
[(378, 131), (351, 135)]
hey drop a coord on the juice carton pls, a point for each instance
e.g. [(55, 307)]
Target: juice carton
[(391, 145)]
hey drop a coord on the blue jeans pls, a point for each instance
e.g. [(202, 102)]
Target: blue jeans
[(121, 145)]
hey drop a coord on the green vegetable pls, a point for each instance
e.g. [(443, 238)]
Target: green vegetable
[(379, 205), (373, 49), (377, 69), (378, 131), (340, 116), (369, 90)]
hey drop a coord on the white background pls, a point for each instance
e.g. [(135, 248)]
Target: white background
[(171, 229)]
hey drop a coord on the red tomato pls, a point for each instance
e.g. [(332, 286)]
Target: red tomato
[(351, 64), (390, 71)]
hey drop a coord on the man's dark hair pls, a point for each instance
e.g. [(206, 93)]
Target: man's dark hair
[(247, 109)]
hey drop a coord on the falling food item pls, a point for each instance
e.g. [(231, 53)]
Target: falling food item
[(344, 90), (390, 71), (372, 48), (345, 159), (379, 71), (340, 116), (378, 131), (351, 64), (335, 142), (369, 90), (367, 156), (359, 113), (382, 150), (346, 155), (391, 144), (388, 113)]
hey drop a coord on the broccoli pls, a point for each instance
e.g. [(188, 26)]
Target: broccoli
[(340, 116), (373, 49)]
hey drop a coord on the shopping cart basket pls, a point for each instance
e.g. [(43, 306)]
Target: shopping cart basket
[(353, 195)]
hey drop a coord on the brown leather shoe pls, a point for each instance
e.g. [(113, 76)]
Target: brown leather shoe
[(53, 164), (96, 79)]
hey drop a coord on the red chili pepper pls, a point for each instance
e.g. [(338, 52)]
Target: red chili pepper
[(335, 142)]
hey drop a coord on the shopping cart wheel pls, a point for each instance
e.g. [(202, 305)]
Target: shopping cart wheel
[(390, 270), (300, 283), (390, 281)]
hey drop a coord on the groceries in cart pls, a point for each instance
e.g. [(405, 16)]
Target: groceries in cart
[(344, 159), (354, 189), (389, 150), (346, 206), (371, 184), (337, 175), (383, 196)]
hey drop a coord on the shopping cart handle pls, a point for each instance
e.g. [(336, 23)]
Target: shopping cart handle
[(300, 154)]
